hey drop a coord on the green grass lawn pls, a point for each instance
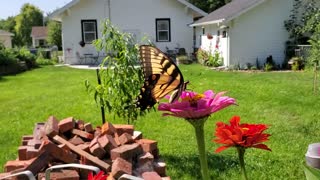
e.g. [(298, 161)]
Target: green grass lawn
[(283, 100)]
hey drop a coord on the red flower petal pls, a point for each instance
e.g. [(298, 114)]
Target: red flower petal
[(221, 148)]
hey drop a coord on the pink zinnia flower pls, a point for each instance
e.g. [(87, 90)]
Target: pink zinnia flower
[(195, 106)]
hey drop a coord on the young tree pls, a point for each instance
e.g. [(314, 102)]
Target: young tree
[(29, 16), (54, 33)]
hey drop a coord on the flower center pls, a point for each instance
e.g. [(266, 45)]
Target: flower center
[(193, 99)]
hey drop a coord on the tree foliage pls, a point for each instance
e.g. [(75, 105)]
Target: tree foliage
[(209, 5), (301, 15), (29, 16), (120, 80), (54, 33)]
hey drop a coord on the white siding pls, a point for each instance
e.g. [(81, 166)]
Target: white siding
[(259, 33), (136, 16)]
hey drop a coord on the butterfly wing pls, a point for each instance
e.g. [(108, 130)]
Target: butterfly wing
[(161, 76)]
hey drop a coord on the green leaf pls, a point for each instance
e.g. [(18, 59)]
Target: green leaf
[(311, 173)]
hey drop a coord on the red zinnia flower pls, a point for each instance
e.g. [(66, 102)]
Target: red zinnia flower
[(99, 176), (241, 135)]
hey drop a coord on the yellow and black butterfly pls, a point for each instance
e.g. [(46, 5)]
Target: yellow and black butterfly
[(161, 76)]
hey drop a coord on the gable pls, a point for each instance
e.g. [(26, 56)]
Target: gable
[(58, 14)]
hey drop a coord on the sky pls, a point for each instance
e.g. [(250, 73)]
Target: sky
[(12, 7)]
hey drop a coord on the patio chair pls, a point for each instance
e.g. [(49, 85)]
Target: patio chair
[(80, 58), (95, 59)]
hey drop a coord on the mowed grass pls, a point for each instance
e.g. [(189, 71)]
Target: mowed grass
[(283, 100)]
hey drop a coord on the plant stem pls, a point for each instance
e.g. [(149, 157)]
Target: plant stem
[(198, 125), (241, 152)]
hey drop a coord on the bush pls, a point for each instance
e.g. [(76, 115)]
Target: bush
[(268, 67), (7, 57), (214, 60), (297, 63), (43, 62), (24, 54)]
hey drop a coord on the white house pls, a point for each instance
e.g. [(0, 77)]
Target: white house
[(246, 31), (164, 22), (39, 36), (6, 38)]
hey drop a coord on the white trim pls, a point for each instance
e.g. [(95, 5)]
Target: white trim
[(245, 10), (193, 7), (208, 22), (226, 20), (55, 15)]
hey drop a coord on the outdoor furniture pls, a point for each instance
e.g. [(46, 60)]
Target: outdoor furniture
[(80, 166), (25, 173), (80, 58), (87, 57)]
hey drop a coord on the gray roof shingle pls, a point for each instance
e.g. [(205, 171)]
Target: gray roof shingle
[(228, 12)]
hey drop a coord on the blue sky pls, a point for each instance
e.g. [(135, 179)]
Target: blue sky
[(12, 7)]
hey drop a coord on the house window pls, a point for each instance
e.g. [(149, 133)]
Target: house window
[(163, 30), (89, 30)]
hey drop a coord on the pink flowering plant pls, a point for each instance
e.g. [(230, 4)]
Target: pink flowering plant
[(196, 108)]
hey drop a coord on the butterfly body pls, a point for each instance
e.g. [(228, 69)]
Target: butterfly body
[(161, 76)]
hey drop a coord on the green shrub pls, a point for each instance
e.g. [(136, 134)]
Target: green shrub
[(214, 60), (268, 67), (24, 54), (297, 63), (43, 62), (7, 57)]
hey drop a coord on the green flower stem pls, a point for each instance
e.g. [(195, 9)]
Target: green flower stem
[(198, 125), (241, 152)]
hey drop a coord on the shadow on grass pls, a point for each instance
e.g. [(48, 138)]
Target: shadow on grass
[(190, 164)]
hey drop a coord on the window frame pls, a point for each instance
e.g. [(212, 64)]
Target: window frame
[(83, 21), (169, 29)]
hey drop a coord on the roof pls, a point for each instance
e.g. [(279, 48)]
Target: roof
[(5, 33), (228, 12), (39, 32), (55, 14)]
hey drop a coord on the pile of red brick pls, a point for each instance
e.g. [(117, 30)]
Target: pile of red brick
[(118, 150)]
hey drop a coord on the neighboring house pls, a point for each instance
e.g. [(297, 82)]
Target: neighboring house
[(39, 36), (164, 22), (6, 38), (246, 31)]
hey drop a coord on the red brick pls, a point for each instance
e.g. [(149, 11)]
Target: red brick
[(62, 154), (98, 151), (125, 138), (124, 128), (127, 151), (88, 127), (22, 153), (76, 140), (120, 167), (13, 165), (27, 137), (147, 145), (151, 176), (108, 128), (144, 158), (82, 134), (32, 152), (137, 135), (107, 142), (80, 124), (63, 174), (160, 167), (97, 132), (34, 143), (51, 127), (24, 142), (66, 124), (38, 131)]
